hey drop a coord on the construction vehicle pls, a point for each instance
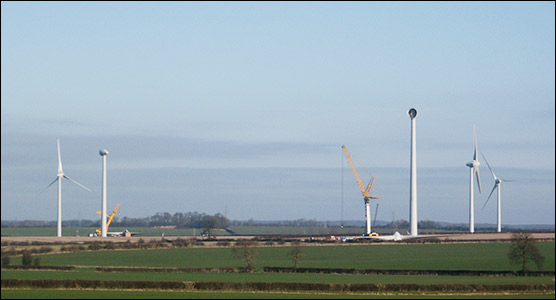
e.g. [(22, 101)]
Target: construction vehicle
[(98, 231), (365, 191)]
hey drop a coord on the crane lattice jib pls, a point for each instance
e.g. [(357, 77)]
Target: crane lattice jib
[(364, 191), (112, 216), (370, 185)]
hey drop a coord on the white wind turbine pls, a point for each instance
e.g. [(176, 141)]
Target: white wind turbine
[(497, 182), (473, 168), (59, 177)]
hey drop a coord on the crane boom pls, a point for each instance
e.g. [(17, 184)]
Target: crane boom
[(354, 170), (364, 191), (110, 218)]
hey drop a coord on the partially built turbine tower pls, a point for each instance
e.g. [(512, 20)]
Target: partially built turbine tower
[(103, 153), (412, 113)]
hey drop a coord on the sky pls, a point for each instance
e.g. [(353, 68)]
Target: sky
[(241, 108)]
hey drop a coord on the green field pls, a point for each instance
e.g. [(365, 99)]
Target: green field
[(472, 256), (150, 231), (84, 231), (239, 230)]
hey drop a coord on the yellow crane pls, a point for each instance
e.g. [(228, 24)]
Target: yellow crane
[(364, 190), (110, 218)]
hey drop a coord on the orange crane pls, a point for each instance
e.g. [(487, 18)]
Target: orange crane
[(364, 190), (110, 218)]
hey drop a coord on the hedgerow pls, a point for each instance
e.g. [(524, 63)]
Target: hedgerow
[(271, 286), (405, 272)]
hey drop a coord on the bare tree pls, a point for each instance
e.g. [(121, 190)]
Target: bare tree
[(524, 249), (246, 252), (295, 254)]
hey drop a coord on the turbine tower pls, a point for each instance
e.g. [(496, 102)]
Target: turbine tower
[(497, 182), (103, 153), (59, 177), (412, 113), (473, 169)]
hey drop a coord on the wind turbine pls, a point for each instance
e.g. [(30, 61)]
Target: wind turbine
[(59, 177), (497, 182), (473, 168)]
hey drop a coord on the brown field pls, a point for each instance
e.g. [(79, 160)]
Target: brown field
[(465, 237)]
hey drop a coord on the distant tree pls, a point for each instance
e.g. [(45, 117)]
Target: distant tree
[(37, 261), (27, 258), (6, 260), (246, 252), (524, 249), (221, 221), (295, 254), (428, 224), (209, 223)]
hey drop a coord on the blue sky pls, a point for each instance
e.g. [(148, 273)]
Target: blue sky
[(246, 105)]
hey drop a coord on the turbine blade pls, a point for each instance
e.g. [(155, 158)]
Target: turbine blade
[(65, 176), (493, 188), (59, 159), (474, 142), (48, 186), (488, 166), (478, 178)]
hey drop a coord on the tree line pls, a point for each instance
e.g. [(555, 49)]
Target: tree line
[(179, 220)]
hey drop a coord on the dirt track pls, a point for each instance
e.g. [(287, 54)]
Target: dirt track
[(493, 236), (448, 238)]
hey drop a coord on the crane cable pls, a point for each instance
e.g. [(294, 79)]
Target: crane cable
[(373, 229), (361, 167), (342, 208), (368, 173)]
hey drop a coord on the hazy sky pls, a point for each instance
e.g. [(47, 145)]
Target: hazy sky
[(243, 107)]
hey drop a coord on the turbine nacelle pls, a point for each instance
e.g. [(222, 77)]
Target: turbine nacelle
[(412, 113), (473, 164)]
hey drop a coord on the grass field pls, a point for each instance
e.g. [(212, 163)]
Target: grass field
[(478, 256), (84, 231), (239, 230), (463, 256), (150, 231)]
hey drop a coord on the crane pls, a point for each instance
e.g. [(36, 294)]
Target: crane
[(364, 190), (110, 218)]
